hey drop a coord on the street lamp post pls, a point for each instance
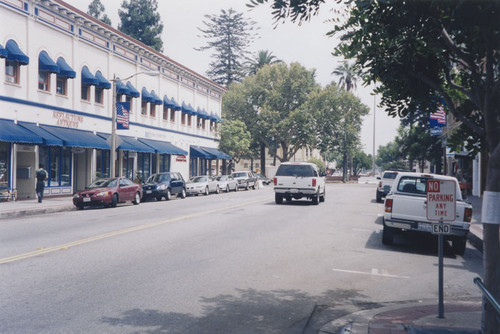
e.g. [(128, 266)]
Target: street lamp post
[(112, 165)]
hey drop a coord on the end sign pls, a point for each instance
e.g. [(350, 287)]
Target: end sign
[(441, 200)]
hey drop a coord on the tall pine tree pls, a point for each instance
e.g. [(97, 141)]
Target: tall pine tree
[(229, 35), (97, 10)]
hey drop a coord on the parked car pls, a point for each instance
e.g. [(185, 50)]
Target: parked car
[(406, 210), (246, 179), (108, 192), (384, 185), (227, 183), (202, 185), (298, 180), (265, 180), (164, 185)]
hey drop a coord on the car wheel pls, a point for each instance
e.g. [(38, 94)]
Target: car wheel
[(246, 186), (114, 201), (278, 198), (237, 188), (387, 235), (227, 188), (217, 190), (168, 195), (79, 207), (183, 193), (459, 244), (379, 197), (322, 197), (137, 199), (315, 199), (158, 198), (206, 191)]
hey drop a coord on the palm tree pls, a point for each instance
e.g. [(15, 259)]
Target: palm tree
[(264, 57), (348, 76)]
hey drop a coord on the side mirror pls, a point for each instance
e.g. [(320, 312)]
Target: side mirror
[(378, 177)]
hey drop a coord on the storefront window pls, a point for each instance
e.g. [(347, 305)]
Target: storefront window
[(55, 164), (66, 166), (128, 166), (143, 166), (4, 164), (102, 165), (44, 158), (164, 162)]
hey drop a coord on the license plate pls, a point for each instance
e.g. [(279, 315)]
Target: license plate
[(149, 191), (86, 199), (294, 191), (425, 227)]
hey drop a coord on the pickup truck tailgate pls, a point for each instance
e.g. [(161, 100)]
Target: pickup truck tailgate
[(409, 207)]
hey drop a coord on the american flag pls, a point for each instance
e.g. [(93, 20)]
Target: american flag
[(122, 115), (439, 116)]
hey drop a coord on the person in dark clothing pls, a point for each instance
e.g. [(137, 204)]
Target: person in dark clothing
[(41, 176)]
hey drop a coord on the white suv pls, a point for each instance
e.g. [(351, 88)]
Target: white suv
[(297, 180)]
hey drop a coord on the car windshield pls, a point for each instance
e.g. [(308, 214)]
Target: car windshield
[(158, 178), (390, 175), (295, 170), (103, 183), (198, 179), (414, 185), (240, 174), (222, 178)]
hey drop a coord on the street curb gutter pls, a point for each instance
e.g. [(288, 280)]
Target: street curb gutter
[(35, 211), (475, 241)]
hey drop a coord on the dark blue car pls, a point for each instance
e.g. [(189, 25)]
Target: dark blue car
[(164, 185)]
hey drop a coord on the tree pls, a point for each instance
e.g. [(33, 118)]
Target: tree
[(264, 57), (348, 76), (140, 19), (235, 139), (272, 105), (422, 52), (229, 35), (97, 10), (389, 157)]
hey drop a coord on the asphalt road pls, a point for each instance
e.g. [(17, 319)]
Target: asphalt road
[(228, 263)]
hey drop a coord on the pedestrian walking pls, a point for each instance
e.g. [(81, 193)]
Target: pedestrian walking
[(41, 176)]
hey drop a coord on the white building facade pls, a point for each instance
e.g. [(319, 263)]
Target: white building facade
[(58, 70)]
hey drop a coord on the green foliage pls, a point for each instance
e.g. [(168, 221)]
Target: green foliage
[(348, 76), (140, 19), (264, 57), (97, 10), (320, 163), (235, 139), (389, 156), (228, 35)]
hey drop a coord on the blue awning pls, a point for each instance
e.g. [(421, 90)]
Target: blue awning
[(121, 89), (133, 92), (3, 52), (14, 133), (198, 152), (48, 138), (45, 63), (88, 78), (188, 109), (202, 113), (64, 69), (129, 144), (175, 105), (167, 103), (15, 54), (156, 98), (217, 153), (146, 96), (163, 147), (77, 138), (103, 83)]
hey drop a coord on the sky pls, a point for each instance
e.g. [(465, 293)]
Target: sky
[(306, 44)]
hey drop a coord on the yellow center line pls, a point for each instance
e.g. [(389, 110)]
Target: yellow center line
[(120, 232)]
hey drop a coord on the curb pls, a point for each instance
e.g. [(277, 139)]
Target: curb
[(35, 211)]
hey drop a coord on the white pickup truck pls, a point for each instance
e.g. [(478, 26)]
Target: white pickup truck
[(406, 210), (297, 180)]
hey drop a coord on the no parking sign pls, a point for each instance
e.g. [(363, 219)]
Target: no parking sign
[(441, 200)]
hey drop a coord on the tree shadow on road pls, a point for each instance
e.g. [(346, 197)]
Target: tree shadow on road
[(248, 311)]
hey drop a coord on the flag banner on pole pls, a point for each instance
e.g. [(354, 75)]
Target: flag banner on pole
[(437, 118), (122, 115)]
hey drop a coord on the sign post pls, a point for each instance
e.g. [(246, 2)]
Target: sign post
[(441, 206)]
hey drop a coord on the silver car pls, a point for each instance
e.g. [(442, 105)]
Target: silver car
[(202, 185), (227, 183)]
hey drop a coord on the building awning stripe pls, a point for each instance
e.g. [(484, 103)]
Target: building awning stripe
[(64, 69), (77, 138), (198, 152), (14, 133), (88, 78), (133, 92), (46, 64), (163, 147), (217, 153), (48, 138), (103, 82), (129, 143), (14, 53)]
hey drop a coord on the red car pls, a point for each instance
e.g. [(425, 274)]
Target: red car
[(108, 192)]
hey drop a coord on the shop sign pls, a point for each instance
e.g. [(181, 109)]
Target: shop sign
[(181, 158)]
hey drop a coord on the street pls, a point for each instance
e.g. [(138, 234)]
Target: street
[(227, 263)]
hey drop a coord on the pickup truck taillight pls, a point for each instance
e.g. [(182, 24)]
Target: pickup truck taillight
[(468, 215), (388, 205), (275, 180), (314, 182)]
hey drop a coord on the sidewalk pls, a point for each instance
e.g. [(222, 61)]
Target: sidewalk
[(31, 207)]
